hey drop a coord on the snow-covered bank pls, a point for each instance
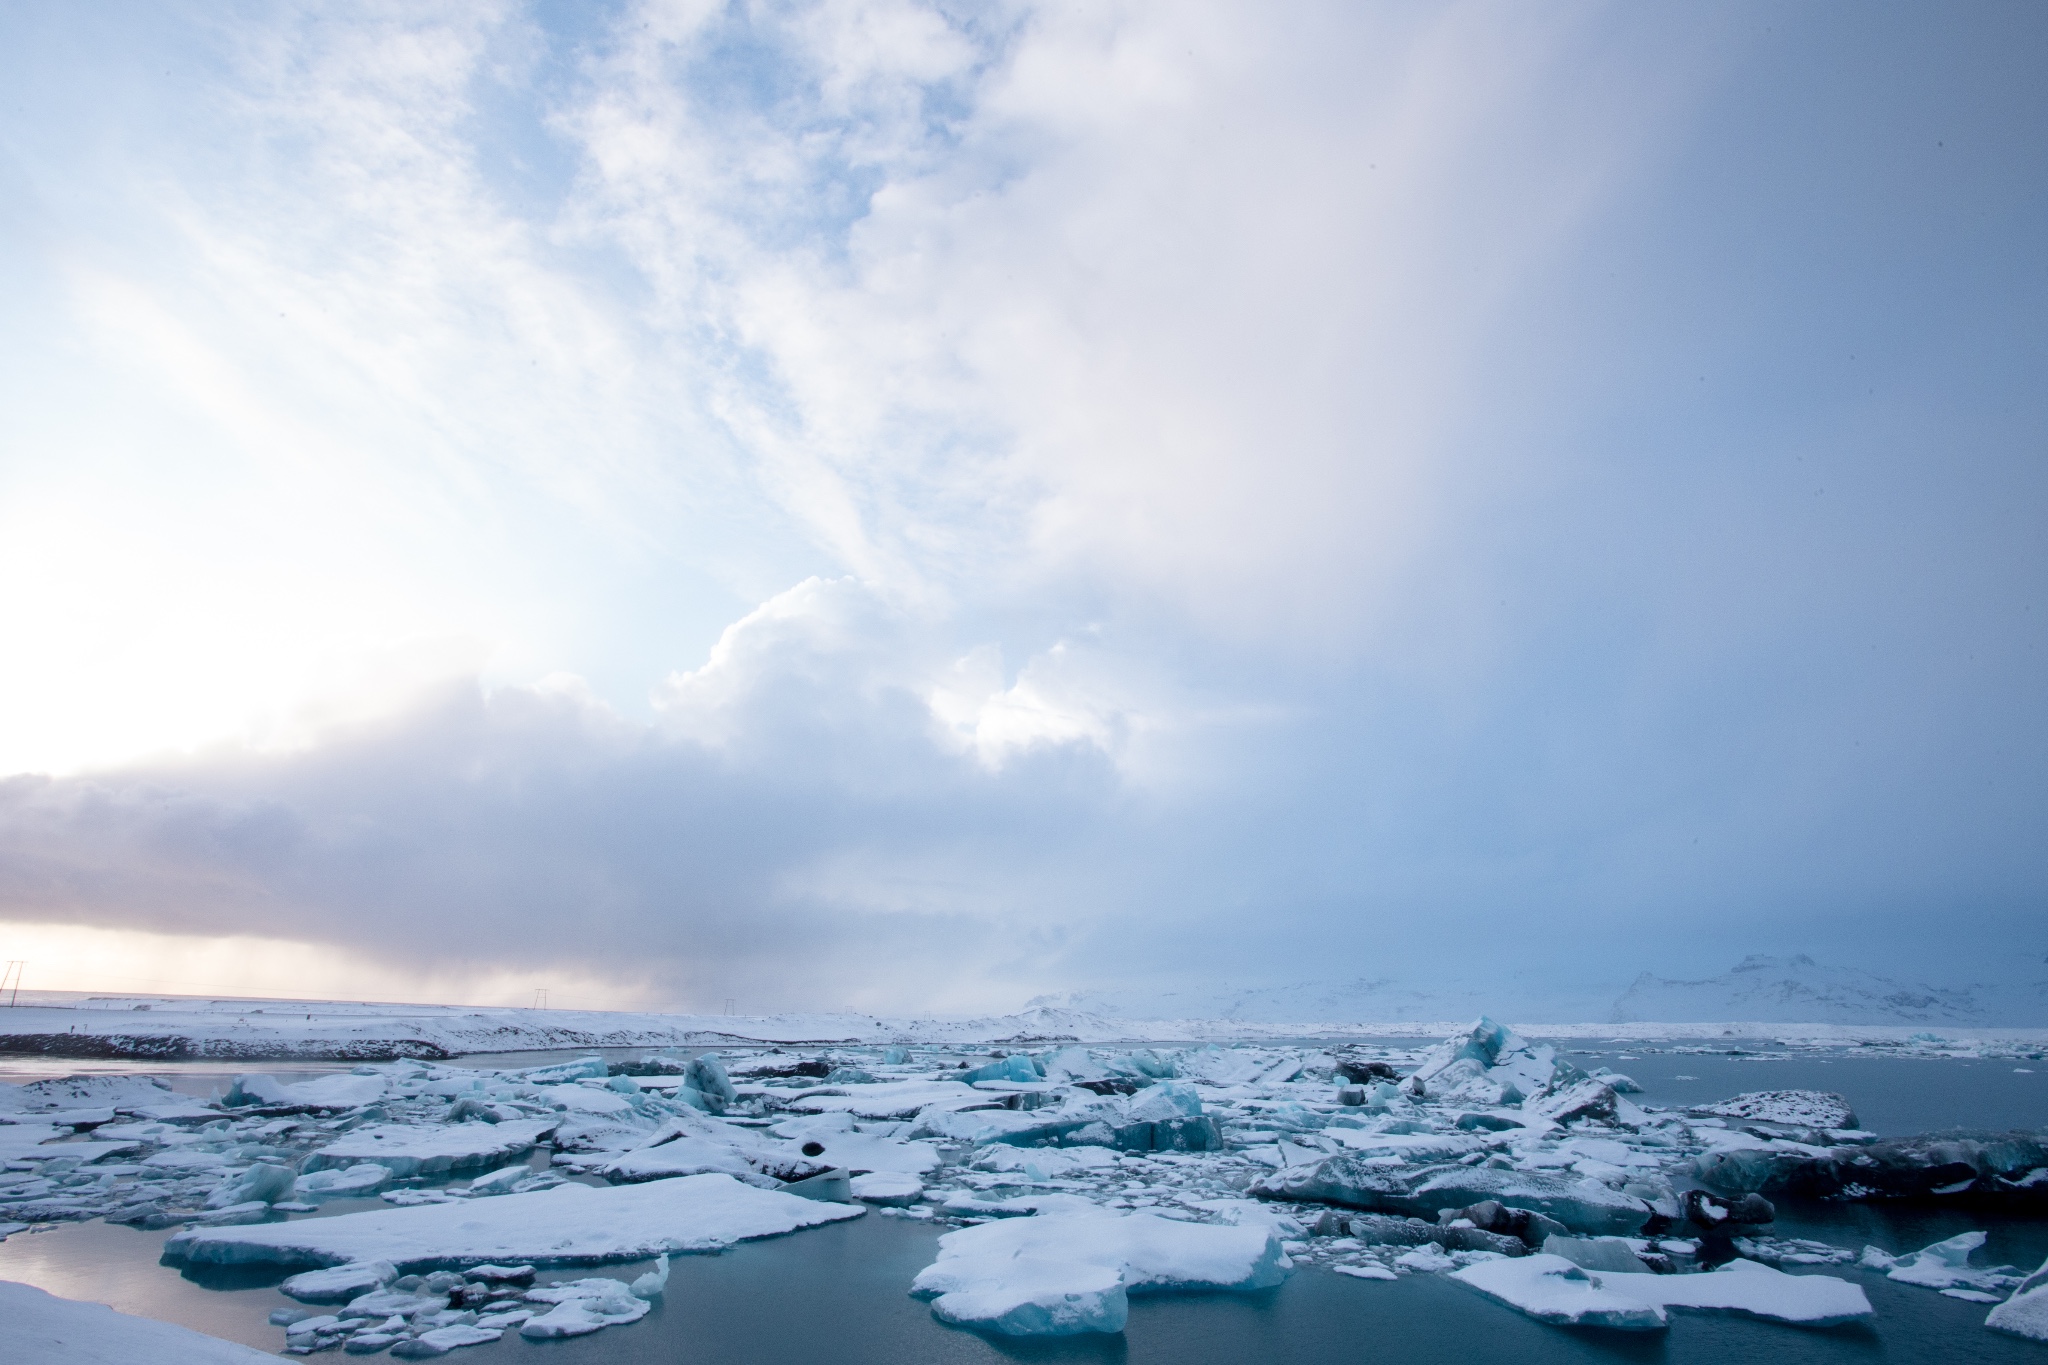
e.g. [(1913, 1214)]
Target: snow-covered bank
[(167, 1028), (52, 1331)]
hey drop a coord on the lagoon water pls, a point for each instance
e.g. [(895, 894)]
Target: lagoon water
[(838, 1295)]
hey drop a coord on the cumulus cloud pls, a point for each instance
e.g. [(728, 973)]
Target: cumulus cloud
[(1014, 496)]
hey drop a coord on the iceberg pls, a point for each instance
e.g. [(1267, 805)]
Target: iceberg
[(888, 1189), (342, 1182), (567, 1225), (432, 1149), (1061, 1273), (338, 1284), (2003, 1169), (343, 1091), (263, 1182), (582, 1307), (2025, 1314), (1491, 1066), (1554, 1290), (1788, 1108), (1363, 1182), (1945, 1266), (43, 1327), (1025, 1295)]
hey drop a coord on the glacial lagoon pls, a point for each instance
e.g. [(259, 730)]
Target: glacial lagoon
[(776, 1300)]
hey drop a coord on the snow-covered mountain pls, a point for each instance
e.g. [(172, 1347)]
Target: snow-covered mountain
[(1759, 989), (1798, 990), (1358, 1000)]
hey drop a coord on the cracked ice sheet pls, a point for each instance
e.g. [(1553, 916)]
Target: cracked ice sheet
[(567, 1225), (43, 1327)]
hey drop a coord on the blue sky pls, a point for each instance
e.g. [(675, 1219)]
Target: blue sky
[(921, 506)]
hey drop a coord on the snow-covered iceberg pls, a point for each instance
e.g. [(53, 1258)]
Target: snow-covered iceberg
[(1491, 1065), (432, 1148), (1580, 1203), (1070, 1272), (42, 1327), (1554, 1290), (567, 1225), (2025, 1314)]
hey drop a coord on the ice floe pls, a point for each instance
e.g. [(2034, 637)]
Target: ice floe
[(43, 1327), (2025, 1314), (568, 1225), (1555, 1290), (432, 1149), (1072, 1271), (1945, 1266)]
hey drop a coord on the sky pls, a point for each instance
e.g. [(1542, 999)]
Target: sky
[(914, 507)]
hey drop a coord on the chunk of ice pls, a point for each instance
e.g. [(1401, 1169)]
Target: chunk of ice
[(1016, 1295), (889, 1188), (1140, 1252), (433, 1149), (43, 1327), (1943, 1265), (1552, 1289), (2025, 1314), (582, 1307), (337, 1284), (570, 1224)]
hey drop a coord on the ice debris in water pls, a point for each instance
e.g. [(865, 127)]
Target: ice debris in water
[(1375, 1160)]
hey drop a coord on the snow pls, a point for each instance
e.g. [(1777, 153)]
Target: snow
[(570, 1224), (1552, 1289), (42, 1327), (432, 1149)]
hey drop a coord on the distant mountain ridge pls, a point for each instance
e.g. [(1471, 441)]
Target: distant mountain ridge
[(1798, 990), (1759, 989)]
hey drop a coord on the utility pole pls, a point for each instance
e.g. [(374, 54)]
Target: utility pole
[(540, 997), (728, 1006), (13, 971)]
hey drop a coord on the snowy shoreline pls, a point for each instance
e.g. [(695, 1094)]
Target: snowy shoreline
[(171, 1028)]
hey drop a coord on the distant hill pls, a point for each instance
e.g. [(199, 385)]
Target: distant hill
[(1798, 990), (1794, 990)]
